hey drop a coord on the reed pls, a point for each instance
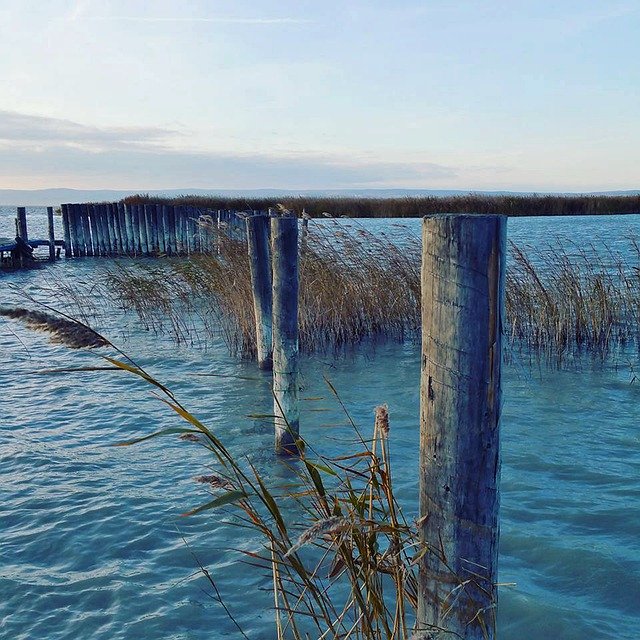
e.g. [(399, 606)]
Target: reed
[(357, 286), (353, 286), (417, 206)]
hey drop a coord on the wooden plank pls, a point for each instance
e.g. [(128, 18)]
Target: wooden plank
[(260, 268), (284, 256), (128, 225), (463, 272), (74, 223)]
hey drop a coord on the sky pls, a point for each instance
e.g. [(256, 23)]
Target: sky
[(443, 94)]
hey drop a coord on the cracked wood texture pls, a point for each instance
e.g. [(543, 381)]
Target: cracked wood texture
[(284, 260), (463, 274)]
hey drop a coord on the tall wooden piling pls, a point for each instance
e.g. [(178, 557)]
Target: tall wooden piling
[(128, 223), (66, 230), (260, 267), (463, 260), (284, 256), (52, 234)]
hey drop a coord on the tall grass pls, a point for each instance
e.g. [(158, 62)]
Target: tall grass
[(357, 286)]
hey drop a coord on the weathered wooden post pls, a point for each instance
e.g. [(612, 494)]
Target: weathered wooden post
[(117, 234), (260, 268), (21, 223), (463, 271), (66, 230), (73, 227), (52, 234), (86, 229), (137, 228), (128, 224), (284, 256), (96, 236)]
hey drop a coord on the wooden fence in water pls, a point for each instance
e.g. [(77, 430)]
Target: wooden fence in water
[(119, 229)]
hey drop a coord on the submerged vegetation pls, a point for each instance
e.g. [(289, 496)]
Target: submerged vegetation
[(357, 286)]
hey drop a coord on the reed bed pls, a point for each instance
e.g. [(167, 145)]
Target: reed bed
[(357, 286), (353, 286), (418, 206)]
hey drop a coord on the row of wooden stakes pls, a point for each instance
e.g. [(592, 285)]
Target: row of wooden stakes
[(120, 229)]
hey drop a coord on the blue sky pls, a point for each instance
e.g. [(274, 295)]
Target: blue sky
[(472, 95)]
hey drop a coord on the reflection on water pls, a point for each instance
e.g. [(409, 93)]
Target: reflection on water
[(93, 546)]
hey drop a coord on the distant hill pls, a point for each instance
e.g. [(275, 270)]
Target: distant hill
[(54, 197)]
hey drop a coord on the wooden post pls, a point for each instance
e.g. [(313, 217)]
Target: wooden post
[(96, 236), (73, 227), (169, 229), (52, 234), (165, 237), (148, 228), (137, 228), (66, 230), (144, 238), (117, 234), (260, 267), (122, 225), (21, 223), (86, 230), (284, 252), (463, 273), (102, 229), (110, 231), (131, 236)]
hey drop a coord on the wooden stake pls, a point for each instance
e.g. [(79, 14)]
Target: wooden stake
[(52, 234), (21, 226), (284, 252), (463, 260), (66, 230), (260, 267)]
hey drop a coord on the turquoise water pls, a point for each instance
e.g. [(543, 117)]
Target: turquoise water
[(92, 545)]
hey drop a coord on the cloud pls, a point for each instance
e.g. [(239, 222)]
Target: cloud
[(21, 129), (50, 151)]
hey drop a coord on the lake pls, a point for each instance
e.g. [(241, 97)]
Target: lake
[(92, 542)]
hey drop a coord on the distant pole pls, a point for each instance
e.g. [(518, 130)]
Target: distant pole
[(463, 273), (284, 252), (52, 234), (260, 268), (66, 229), (21, 226)]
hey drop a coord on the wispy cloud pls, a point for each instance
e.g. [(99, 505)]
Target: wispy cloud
[(20, 129), (53, 151)]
